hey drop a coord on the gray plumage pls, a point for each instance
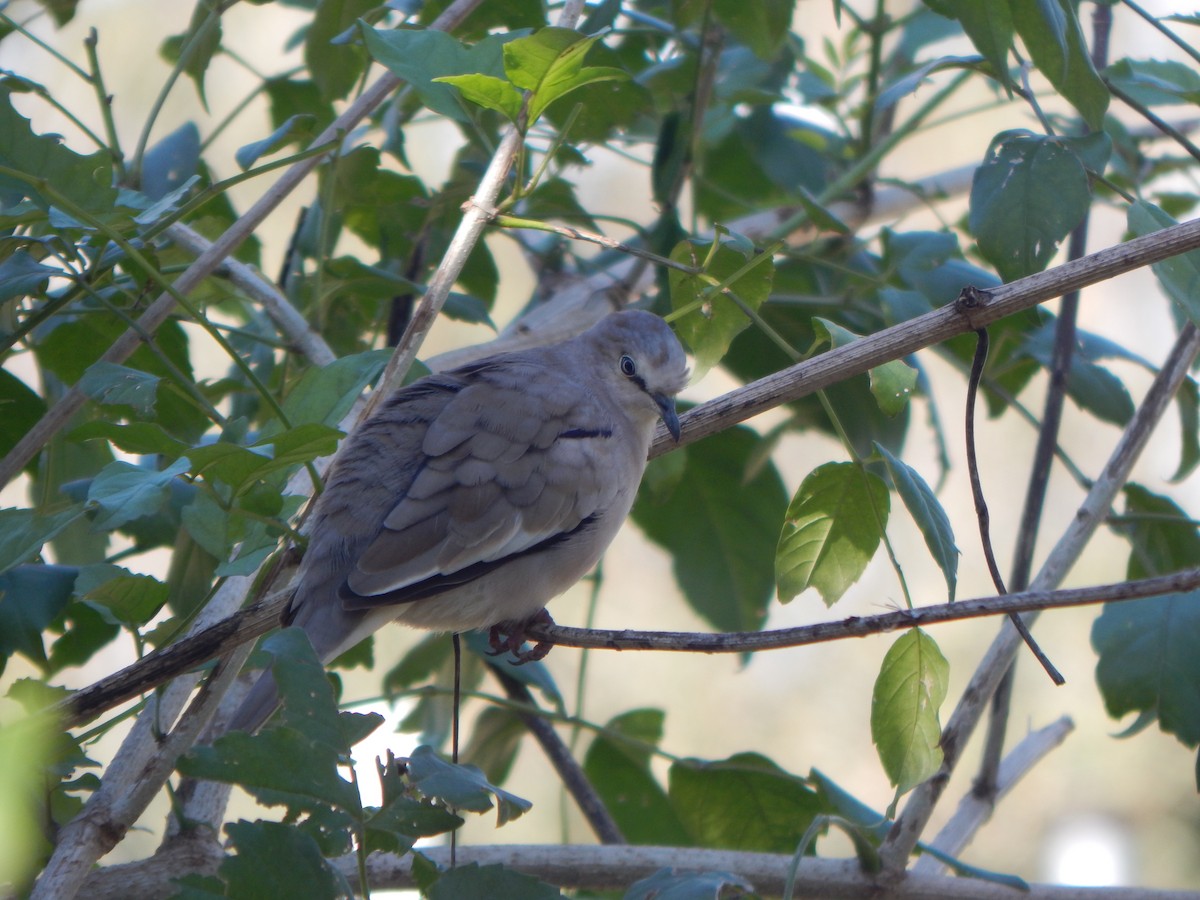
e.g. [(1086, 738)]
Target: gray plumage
[(473, 497)]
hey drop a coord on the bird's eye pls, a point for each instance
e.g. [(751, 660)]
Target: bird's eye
[(628, 367)]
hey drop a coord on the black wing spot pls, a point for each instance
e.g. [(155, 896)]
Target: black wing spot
[(576, 434)]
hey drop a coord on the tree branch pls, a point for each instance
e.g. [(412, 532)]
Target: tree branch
[(908, 828), (615, 867), (976, 807), (255, 621)]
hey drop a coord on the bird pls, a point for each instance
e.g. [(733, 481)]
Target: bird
[(471, 498)]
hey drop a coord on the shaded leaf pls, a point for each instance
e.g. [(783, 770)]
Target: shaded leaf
[(891, 383), (1147, 661), (461, 786), (1051, 32), (1028, 195), (620, 771), (420, 57), (24, 531), (988, 25), (31, 597), (714, 320), (745, 802), (109, 383), (719, 529), (277, 860), (122, 492), (668, 884), (1179, 275), (21, 274), (923, 505), (297, 128), (496, 882), (1156, 81)]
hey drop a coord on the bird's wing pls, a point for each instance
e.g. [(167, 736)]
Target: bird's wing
[(515, 462)]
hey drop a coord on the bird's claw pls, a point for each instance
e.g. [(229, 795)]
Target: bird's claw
[(509, 637)]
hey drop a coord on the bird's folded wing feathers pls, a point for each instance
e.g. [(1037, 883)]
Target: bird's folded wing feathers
[(510, 463)]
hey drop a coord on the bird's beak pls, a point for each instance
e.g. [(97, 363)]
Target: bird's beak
[(670, 418)]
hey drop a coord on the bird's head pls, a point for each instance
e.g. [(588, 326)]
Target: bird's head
[(641, 353)]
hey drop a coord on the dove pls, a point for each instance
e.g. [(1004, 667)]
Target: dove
[(471, 498)]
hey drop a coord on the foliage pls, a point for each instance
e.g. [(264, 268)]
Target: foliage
[(735, 117)]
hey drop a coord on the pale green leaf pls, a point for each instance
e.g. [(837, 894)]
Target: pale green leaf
[(909, 691), (832, 529)]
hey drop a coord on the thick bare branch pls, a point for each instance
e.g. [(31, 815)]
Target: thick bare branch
[(616, 867)]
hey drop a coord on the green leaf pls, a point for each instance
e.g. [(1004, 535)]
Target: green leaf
[(201, 40), (495, 738), (496, 882), (669, 884), (298, 128), (122, 492), (143, 438), (171, 162), (308, 733), (988, 25), (620, 771), (1179, 275), (276, 860), (335, 66), (909, 690), (1057, 46), (1028, 195), (86, 180), (403, 820), (762, 26), (1156, 81), (489, 92), (21, 274), (253, 761), (923, 505), (422, 56), (745, 802), (109, 383), (1187, 398), (31, 597), (24, 531), (549, 64), (326, 394), (714, 320), (120, 596), (461, 786), (1147, 661), (20, 409), (891, 384), (831, 530), (719, 528)]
